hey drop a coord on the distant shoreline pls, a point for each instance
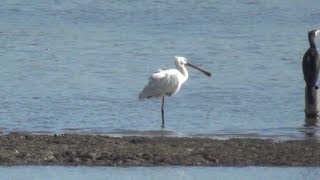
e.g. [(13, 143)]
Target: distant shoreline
[(96, 150)]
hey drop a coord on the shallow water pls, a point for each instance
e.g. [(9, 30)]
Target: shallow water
[(78, 66), (185, 173)]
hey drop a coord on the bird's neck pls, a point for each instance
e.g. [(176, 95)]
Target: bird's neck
[(184, 72), (311, 42)]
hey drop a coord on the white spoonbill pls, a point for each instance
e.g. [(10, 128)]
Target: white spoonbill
[(168, 82)]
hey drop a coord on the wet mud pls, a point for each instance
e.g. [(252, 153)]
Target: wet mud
[(97, 150)]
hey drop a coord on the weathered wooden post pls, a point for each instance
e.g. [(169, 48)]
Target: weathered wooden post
[(311, 102), (311, 110)]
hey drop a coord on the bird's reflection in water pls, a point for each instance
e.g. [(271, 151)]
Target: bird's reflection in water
[(311, 126)]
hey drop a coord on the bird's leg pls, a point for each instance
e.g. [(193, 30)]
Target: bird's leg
[(162, 112)]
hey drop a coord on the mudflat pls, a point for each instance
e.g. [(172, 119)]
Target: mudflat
[(98, 150)]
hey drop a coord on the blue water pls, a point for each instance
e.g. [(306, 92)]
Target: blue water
[(176, 173), (78, 66)]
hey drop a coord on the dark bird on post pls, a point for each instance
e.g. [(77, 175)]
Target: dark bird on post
[(311, 66), (311, 61)]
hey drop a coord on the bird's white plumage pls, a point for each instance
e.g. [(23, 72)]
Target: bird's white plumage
[(163, 83), (166, 82)]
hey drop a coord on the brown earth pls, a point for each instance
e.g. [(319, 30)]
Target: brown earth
[(72, 149)]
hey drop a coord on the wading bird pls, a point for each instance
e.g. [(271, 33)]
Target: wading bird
[(168, 82), (311, 63)]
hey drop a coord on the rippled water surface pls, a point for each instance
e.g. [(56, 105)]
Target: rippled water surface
[(78, 66), (185, 173)]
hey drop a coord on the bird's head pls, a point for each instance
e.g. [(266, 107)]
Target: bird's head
[(313, 33), (180, 61)]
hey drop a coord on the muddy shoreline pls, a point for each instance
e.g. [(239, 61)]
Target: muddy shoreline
[(96, 150)]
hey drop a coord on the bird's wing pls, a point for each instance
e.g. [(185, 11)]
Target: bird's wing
[(161, 84), (310, 67), (306, 63)]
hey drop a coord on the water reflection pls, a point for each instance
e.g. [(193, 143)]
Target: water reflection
[(311, 127), (310, 122), (307, 131), (152, 133), (122, 132)]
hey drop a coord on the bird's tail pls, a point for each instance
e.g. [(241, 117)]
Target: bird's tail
[(143, 94)]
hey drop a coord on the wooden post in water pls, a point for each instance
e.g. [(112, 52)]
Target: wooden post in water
[(311, 102)]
